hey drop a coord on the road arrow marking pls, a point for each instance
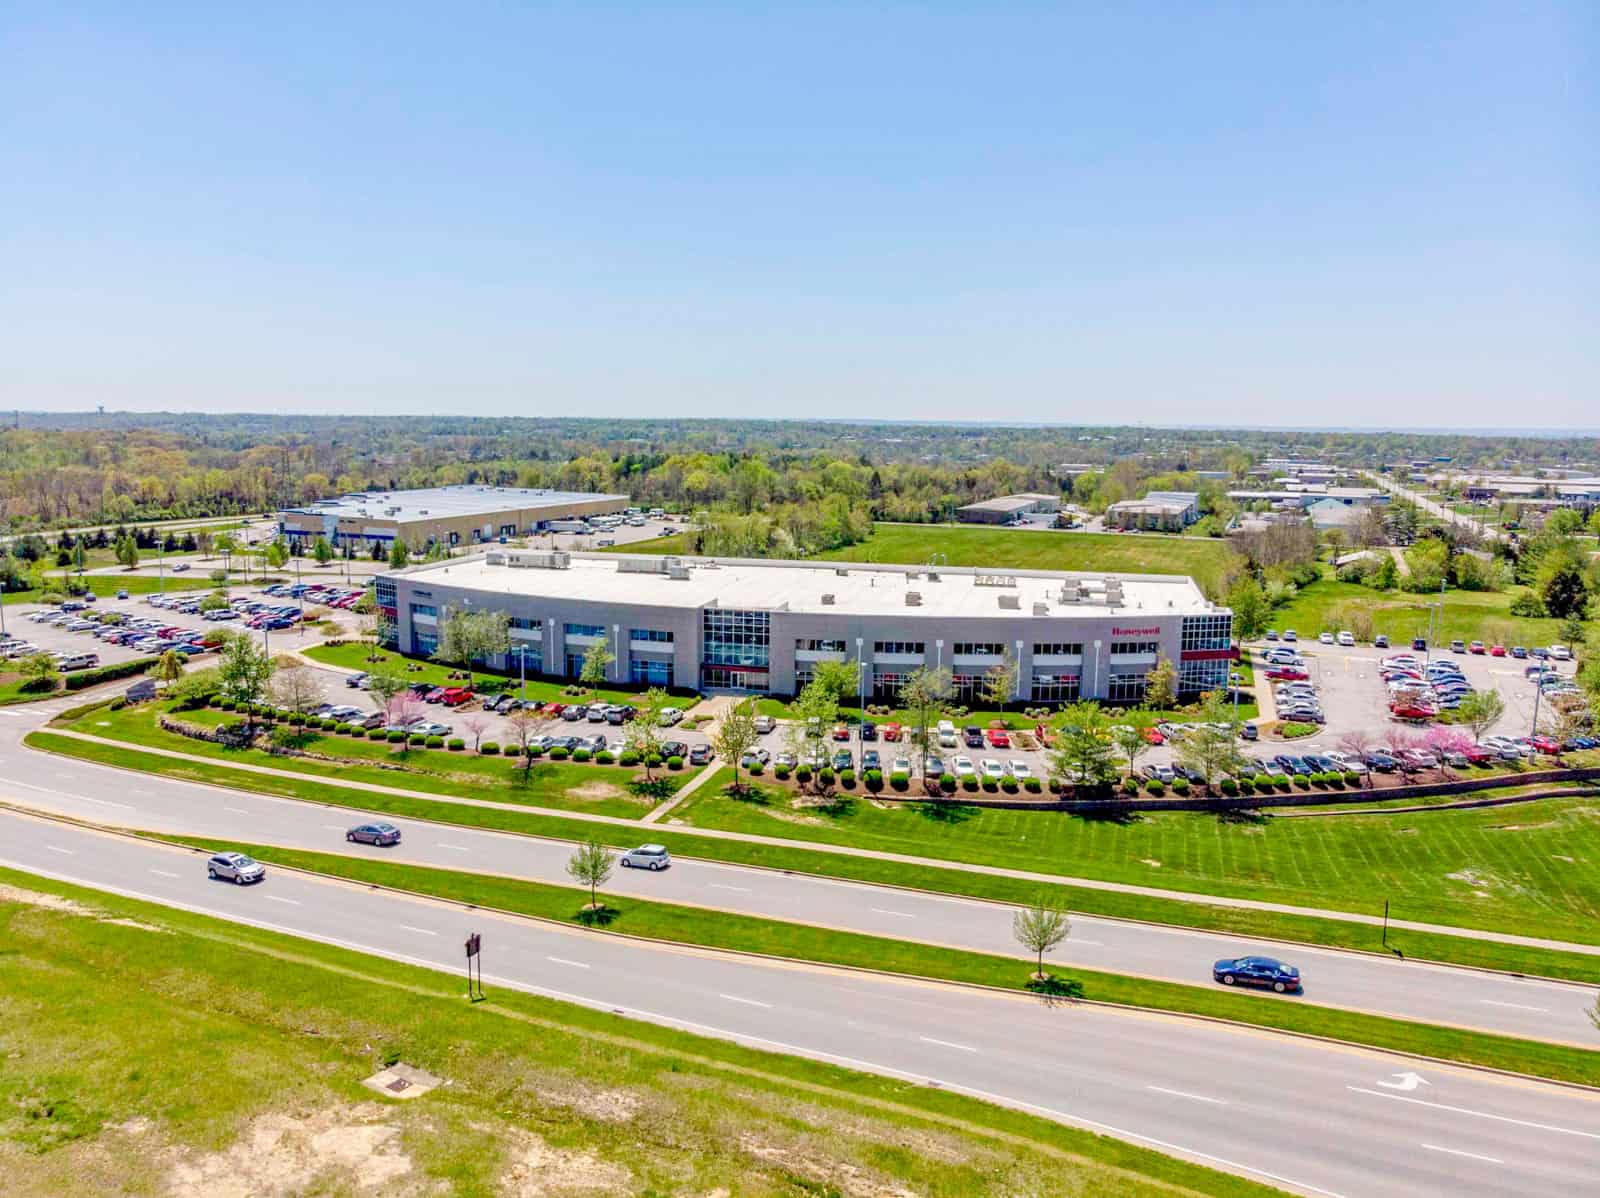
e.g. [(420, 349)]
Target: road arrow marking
[(1407, 1081)]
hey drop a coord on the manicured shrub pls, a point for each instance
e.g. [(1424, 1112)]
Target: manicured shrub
[(581, 755), (604, 757), (1154, 787), (675, 762), (780, 771), (756, 769), (1230, 787), (653, 760), (435, 742), (900, 780), (1351, 778), (530, 751), (802, 773), (559, 753), (1247, 785), (847, 779), (969, 783), (1032, 785), (1130, 786), (628, 757), (490, 748), (947, 781), (213, 700), (378, 733), (417, 739), (455, 744), (228, 705), (396, 737), (1335, 780), (1180, 786), (297, 718), (825, 775), (327, 725), (873, 779), (1303, 782), (1008, 784)]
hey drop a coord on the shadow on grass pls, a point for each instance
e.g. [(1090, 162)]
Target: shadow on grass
[(1244, 815), (1110, 815), (743, 792), (946, 811), (654, 789), (1053, 990), (597, 917)]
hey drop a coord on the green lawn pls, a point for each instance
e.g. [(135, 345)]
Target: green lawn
[(744, 933), (141, 1041), (1533, 866), (352, 655), (597, 789), (1022, 549), (106, 585), (1468, 615), (801, 858)]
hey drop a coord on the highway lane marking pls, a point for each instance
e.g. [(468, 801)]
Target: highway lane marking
[(456, 847), (750, 1002), (278, 898), (1514, 1005), (1186, 1094), (1492, 1160), (1458, 1110), (65, 852), (422, 931), (62, 794), (577, 964), (1089, 943), (237, 810), (896, 914), (333, 827), (740, 889), (947, 1044), (165, 873)]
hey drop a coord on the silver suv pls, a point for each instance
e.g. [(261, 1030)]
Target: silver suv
[(647, 856), (235, 867)]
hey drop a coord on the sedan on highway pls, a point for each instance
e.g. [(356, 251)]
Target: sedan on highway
[(380, 834), (647, 856), (235, 867), (1257, 971)]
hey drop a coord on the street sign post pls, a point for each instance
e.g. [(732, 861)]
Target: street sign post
[(474, 955)]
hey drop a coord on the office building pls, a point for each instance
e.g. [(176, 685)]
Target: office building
[(1007, 509)]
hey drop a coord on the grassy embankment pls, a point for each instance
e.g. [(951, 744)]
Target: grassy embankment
[(147, 1047), (815, 859), (107, 585)]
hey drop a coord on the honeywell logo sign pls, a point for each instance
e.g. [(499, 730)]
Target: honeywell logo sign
[(1115, 631)]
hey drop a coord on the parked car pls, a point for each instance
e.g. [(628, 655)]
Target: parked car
[(701, 755), (993, 769), (379, 834), (235, 867), (1325, 638), (1347, 639), (764, 723), (1257, 971), (964, 767), (1380, 641), (647, 856), (999, 738), (972, 735)]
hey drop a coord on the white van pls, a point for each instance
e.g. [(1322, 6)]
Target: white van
[(947, 735), (78, 661)]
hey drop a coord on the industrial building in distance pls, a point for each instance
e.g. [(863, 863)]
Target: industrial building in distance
[(761, 626), (1007, 509), (467, 514)]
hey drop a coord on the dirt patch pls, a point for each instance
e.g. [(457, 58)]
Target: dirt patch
[(794, 817), (536, 1169), (839, 1175), (607, 1106), (54, 902), (282, 1154), (1151, 862), (1564, 857), (1470, 877), (596, 790)]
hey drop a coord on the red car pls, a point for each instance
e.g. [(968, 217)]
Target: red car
[(1153, 735), (455, 696), (554, 708), (1478, 755), (841, 732), (1476, 647), (1288, 674), (1497, 650), (1413, 711), (1545, 745), (890, 731), (998, 738)]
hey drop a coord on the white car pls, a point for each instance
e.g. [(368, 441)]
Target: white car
[(902, 765), (1560, 653), (669, 716), (1347, 639), (1326, 638), (1021, 769), (965, 768), (647, 856), (993, 769)]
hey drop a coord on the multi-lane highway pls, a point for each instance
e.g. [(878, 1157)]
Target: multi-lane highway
[(1381, 985), (1313, 1118)]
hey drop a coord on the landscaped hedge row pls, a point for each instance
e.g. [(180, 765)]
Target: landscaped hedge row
[(122, 669)]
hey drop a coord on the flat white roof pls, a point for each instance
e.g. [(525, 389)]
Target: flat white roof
[(432, 503), (857, 589)]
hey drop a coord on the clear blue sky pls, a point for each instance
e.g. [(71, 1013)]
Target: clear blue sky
[(1300, 214)]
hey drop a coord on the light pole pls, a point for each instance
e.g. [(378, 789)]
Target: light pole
[(301, 597), (1235, 679), (861, 680), (1538, 689)]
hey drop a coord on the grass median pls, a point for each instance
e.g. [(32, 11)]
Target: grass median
[(1195, 914), (745, 933), (152, 1050)]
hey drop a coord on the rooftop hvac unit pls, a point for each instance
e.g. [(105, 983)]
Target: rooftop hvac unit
[(680, 573), (841, 572), (1010, 602), (1041, 609), (827, 599), (932, 577), (1070, 592), (913, 598)]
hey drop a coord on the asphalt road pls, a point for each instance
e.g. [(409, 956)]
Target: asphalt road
[(1380, 985), (1308, 1117)]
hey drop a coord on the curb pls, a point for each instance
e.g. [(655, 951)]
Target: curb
[(1202, 901), (977, 987)]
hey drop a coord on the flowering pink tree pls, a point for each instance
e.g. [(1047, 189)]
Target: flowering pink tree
[(404, 710)]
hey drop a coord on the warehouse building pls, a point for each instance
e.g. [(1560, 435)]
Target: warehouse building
[(461, 515), (1007, 509), (1159, 511), (761, 626)]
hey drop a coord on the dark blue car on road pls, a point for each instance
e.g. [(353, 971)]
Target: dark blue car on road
[(1257, 971)]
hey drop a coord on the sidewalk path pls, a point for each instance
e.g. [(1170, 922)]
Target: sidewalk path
[(684, 792), (778, 842)]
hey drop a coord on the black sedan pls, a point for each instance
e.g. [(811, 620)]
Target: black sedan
[(373, 834), (1257, 971)]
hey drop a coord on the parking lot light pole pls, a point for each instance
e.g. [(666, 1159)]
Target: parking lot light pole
[(1538, 689), (861, 681), (1236, 679)]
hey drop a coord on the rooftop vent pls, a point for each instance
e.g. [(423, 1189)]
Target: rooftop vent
[(913, 598), (841, 572), (827, 599), (679, 572), (1041, 609), (1010, 602)]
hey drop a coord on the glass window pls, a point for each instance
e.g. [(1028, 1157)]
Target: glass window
[(1207, 632), (816, 645), (968, 687), (1196, 677), (919, 648), (1128, 647), (586, 629), (644, 672), (1055, 688), (978, 649), (1126, 688), (659, 635), (886, 684), (424, 609), (1058, 649), (526, 624)]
